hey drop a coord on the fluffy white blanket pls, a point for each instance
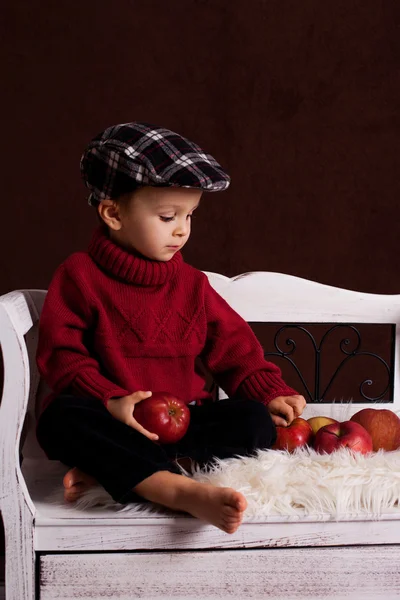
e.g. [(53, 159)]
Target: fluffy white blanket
[(335, 486)]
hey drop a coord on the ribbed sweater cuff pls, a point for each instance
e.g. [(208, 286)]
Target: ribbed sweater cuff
[(97, 386), (264, 386)]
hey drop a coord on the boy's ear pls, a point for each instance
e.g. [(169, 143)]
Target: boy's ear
[(109, 212)]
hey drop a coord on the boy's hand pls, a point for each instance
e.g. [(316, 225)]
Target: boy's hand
[(284, 409), (123, 409)]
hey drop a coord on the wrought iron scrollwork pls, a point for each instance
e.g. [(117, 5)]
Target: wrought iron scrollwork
[(349, 353)]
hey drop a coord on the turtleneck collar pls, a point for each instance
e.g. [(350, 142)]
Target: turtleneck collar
[(131, 267)]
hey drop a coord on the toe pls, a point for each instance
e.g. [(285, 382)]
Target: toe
[(71, 477), (79, 488), (70, 496), (75, 491), (230, 527), (231, 511), (240, 503), (68, 480), (76, 477), (237, 501), (231, 524)]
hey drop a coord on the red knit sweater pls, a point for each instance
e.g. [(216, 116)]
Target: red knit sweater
[(114, 322)]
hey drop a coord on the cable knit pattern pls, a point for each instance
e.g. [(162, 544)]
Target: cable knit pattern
[(115, 322)]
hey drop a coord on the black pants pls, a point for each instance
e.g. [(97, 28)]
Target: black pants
[(81, 432)]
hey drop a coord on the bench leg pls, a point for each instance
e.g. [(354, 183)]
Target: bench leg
[(20, 555)]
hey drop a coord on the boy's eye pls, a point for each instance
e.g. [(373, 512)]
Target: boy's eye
[(168, 219)]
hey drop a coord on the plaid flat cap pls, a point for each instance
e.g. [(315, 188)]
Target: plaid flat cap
[(125, 157)]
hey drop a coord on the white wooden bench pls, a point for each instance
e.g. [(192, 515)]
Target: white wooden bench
[(63, 553)]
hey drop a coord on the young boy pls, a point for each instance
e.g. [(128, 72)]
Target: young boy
[(129, 317)]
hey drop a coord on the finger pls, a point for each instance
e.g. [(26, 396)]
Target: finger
[(301, 404), (286, 412), (142, 396), (297, 410), (135, 425), (298, 404), (279, 421)]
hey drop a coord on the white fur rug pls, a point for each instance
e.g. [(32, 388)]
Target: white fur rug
[(337, 486)]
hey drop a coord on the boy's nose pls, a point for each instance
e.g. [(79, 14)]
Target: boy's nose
[(182, 230)]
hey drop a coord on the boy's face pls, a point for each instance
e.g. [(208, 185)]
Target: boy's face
[(154, 221)]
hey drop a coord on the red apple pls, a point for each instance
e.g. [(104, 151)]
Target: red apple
[(165, 415), (382, 424), (338, 435), (295, 435)]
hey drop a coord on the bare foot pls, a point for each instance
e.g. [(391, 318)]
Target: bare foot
[(76, 483), (222, 507)]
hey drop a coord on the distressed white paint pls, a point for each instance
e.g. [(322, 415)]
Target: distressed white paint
[(17, 316), (274, 297), (275, 561), (180, 534), (281, 574)]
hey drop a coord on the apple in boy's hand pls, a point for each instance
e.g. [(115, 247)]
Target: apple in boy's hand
[(382, 424), (295, 435), (343, 435), (165, 415), (318, 422)]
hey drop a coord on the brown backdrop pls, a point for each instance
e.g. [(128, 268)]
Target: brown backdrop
[(298, 100)]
